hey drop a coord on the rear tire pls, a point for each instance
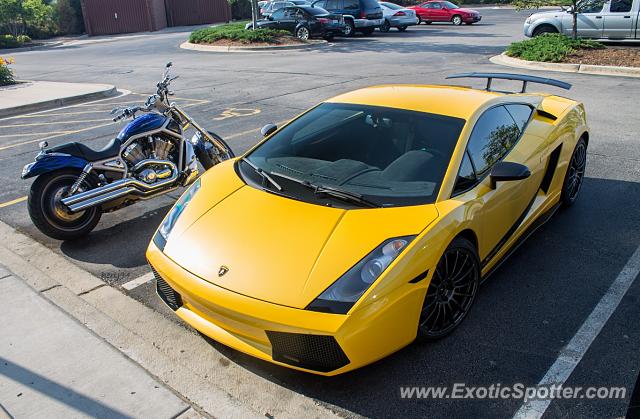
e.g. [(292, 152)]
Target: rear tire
[(302, 33), (349, 29), (50, 216), (452, 291), (575, 174)]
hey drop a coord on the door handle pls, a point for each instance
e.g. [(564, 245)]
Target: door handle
[(598, 17), (627, 17)]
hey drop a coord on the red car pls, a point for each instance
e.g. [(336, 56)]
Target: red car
[(445, 11)]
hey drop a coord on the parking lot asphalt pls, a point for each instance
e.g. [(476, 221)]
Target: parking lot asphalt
[(528, 310)]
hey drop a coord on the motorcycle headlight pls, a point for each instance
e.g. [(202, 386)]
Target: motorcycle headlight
[(161, 237), (343, 294)]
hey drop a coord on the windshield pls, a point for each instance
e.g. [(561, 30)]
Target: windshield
[(391, 5), (315, 11), (391, 157), (449, 5)]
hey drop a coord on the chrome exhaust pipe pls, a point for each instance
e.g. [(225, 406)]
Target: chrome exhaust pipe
[(121, 188)]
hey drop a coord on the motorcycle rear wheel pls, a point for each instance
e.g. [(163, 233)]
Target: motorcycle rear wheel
[(50, 216)]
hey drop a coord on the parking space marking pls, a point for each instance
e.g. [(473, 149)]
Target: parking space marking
[(572, 354), (13, 202), (135, 283), (6, 147), (236, 112), (37, 124), (35, 133)]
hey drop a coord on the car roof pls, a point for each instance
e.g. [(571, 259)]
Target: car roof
[(455, 101)]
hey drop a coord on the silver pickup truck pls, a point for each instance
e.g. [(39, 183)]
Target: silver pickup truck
[(598, 19)]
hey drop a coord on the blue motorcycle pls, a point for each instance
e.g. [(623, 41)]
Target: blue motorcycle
[(75, 184)]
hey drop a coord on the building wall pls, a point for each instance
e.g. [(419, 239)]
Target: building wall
[(104, 17), (197, 12)]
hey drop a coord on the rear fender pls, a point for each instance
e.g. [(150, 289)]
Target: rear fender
[(45, 163)]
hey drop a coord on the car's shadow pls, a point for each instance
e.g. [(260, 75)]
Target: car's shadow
[(526, 311)]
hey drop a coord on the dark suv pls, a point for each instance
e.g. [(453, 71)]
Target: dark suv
[(359, 15)]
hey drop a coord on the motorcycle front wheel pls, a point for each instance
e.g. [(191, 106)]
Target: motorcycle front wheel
[(207, 157), (48, 213)]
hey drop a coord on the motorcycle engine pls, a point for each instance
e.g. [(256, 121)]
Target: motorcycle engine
[(156, 148)]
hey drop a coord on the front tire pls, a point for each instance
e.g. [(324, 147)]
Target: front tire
[(575, 174), (50, 216), (452, 291), (457, 20), (385, 26), (544, 29)]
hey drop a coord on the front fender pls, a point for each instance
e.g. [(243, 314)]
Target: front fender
[(45, 164), (549, 21)]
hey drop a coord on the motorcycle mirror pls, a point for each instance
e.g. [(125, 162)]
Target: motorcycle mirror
[(268, 129), (114, 111), (169, 64)]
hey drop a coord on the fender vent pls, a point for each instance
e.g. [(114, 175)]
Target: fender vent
[(168, 294), (552, 164), (313, 352)]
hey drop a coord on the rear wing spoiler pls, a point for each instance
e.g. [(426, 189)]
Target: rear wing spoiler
[(509, 76)]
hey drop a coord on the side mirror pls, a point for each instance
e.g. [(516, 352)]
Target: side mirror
[(268, 129), (505, 171)]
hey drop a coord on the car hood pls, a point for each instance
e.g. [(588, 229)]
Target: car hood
[(278, 249), (548, 14)]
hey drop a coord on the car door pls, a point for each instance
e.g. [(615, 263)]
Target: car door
[(590, 19), (274, 20), (437, 13), (618, 20), (288, 20), (424, 10), (500, 134)]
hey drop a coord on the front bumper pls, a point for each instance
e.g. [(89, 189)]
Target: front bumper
[(320, 343), (472, 19), (402, 21), (528, 30)]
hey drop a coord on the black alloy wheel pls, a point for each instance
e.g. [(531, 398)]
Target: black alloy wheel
[(575, 174), (451, 292)]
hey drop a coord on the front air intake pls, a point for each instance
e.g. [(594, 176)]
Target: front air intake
[(168, 294), (313, 352)]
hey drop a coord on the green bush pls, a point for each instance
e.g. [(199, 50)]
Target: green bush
[(9, 41), (6, 75), (236, 32), (551, 47), (68, 16), (23, 39)]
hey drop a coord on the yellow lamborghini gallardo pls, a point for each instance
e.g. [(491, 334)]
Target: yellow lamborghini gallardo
[(369, 220)]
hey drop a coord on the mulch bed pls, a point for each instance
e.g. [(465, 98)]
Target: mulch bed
[(614, 56)]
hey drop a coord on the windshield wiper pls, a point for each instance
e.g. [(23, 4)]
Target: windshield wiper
[(262, 173), (341, 194)]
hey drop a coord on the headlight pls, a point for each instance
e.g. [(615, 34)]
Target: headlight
[(161, 237), (343, 294), (528, 21)]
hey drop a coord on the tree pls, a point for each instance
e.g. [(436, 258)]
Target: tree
[(20, 16)]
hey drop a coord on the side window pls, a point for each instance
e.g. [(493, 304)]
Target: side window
[(492, 138), (278, 14), (332, 4), (322, 4), (436, 5), (289, 13), (351, 4), (466, 175), (520, 113), (620, 6), (590, 6)]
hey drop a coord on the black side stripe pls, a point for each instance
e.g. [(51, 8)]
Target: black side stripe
[(509, 233), (420, 277)]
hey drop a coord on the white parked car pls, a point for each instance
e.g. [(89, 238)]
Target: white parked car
[(598, 19)]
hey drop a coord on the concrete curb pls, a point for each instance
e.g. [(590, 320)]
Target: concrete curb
[(603, 70), (100, 92), (176, 356), (221, 48), (9, 51)]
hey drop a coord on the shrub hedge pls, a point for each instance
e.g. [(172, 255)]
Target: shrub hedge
[(550, 47)]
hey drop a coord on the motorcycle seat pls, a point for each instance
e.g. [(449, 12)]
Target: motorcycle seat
[(80, 150)]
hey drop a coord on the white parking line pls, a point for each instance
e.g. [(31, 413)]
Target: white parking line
[(571, 354), (135, 283)]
